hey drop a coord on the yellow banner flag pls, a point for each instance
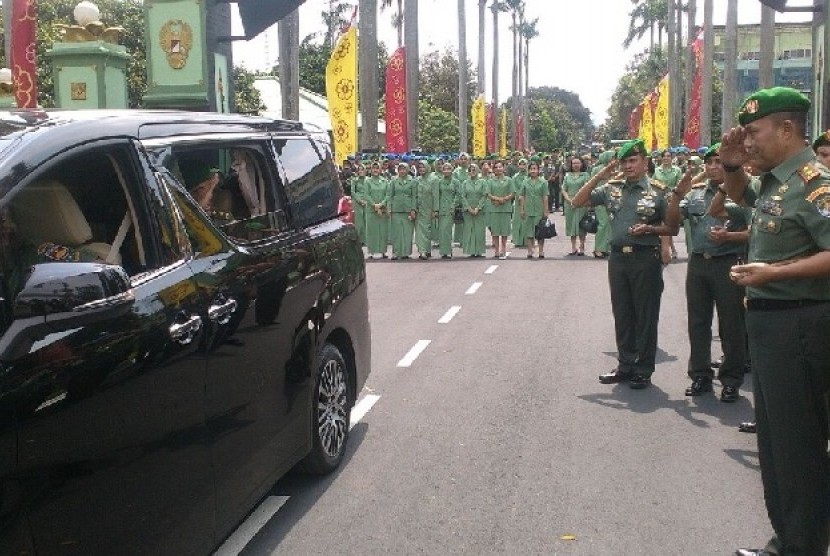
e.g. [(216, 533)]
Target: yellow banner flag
[(661, 114), (647, 123), (503, 133), (341, 93), (479, 128)]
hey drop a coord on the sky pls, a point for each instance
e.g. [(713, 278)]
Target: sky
[(579, 47)]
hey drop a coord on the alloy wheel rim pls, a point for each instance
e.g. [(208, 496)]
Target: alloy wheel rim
[(331, 408)]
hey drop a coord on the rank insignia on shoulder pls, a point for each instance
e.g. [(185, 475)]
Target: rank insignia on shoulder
[(658, 185), (809, 172), (700, 185)]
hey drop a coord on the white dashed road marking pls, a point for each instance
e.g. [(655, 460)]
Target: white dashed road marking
[(361, 408), (448, 316), (413, 353), (474, 288), (492, 269), (251, 526)]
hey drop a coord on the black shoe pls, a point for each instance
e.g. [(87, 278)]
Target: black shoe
[(638, 382), (699, 385), (748, 427), (422, 257), (394, 257), (729, 394), (752, 552), (446, 257), (614, 377), (384, 256)]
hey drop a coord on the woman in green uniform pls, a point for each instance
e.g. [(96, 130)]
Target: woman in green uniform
[(501, 195), (601, 237), (575, 178), (375, 191), (534, 206), (402, 205), (473, 201), (426, 206), (517, 182), (461, 175), (359, 203), (447, 201)]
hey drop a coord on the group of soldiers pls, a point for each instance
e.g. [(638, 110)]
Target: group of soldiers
[(758, 234)]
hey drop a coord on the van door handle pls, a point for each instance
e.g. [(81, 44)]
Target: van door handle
[(221, 311), (184, 332)]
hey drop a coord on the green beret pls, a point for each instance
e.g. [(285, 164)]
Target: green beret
[(769, 101), (633, 147), (711, 151), (431, 160), (493, 156), (822, 140), (536, 159)]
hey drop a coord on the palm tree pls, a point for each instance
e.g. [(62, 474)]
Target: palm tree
[(529, 32), (496, 7), (708, 55), (730, 66), (288, 30), (514, 6), (645, 17), (482, 11), (397, 18), (462, 75), (412, 75), (335, 19), (368, 67)]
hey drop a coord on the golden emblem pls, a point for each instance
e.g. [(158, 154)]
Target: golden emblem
[(784, 188), (78, 91), (176, 39), (751, 106), (809, 172)]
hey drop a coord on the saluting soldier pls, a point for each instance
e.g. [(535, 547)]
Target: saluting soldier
[(636, 211), (501, 195), (402, 205), (447, 201), (427, 211), (788, 311), (708, 285), (375, 194)]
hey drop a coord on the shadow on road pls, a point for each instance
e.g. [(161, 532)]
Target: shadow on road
[(747, 458)]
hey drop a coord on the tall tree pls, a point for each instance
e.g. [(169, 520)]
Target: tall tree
[(645, 17), (335, 19), (482, 15), (463, 78), (766, 77), (412, 76), (708, 58), (368, 68), (514, 7), (529, 32), (691, 32), (496, 7), (730, 70), (288, 30), (672, 63), (397, 18)]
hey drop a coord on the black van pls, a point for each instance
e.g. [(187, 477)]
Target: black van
[(183, 319)]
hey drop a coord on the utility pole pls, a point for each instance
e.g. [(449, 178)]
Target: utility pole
[(766, 77), (706, 93), (730, 64), (691, 31), (463, 80), (412, 77), (672, 66), (368, 68), (288, 29)]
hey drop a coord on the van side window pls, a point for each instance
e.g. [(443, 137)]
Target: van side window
[(312, 189)]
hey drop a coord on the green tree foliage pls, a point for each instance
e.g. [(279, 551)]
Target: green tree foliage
[(125, 13), (438, 128), (645, 16), (247, 99), (552, 126), (439, 80)]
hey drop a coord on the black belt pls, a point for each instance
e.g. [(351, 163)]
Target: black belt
[(708, 256), (757, 304), (627, 249)]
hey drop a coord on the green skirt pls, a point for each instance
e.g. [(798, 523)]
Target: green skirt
[(500, 223), (572, 218)]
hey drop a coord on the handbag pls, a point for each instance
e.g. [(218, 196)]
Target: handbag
[(589, 222), (458, 215), (545, 229)]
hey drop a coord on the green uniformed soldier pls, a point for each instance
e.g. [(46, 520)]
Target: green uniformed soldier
[(473, 195), (517, 181), (636, 212), (402, 206), (708, 284), (359, 203), (501, 195), (461, 174), (427, 211), (667, 172), (534, 206), (447, 201), (575, 178), (788, 312), (375, 193), (601, 237), (821, 146)]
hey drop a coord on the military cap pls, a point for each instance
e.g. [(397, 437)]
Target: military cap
[(493, 156), (711, 151), (535, 159), (633, 147), (770, 101), (822, 140)]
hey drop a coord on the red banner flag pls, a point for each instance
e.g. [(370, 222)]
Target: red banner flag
[(634, 122), (491, 130), (24, 52), (691, 137), (397, 131)]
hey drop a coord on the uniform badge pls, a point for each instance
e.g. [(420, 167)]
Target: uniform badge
[(822, 204), (783, 189), (809, 172), (818, 192), (751, 106)]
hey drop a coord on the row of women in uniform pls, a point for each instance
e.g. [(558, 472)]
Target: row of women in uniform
[(459, 204)]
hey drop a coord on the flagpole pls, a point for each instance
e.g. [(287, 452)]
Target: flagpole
[(7, 35)]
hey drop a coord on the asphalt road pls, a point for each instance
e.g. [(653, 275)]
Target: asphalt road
[(499, 439)]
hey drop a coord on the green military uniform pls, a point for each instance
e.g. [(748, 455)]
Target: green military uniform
[(461, 175), (447, 201), (375, 192), (358, 185), (500, 214), (708, 286), (572, 183), (435, 175), (427, 206), (601, 237), (789, 339), (635, 271), (517, 230), (668, 176), (474, 196), (402, 203), (534, 193)]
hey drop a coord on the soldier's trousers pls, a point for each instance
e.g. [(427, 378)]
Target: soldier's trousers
[(708, 286), (791, 379), (636, 283)]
